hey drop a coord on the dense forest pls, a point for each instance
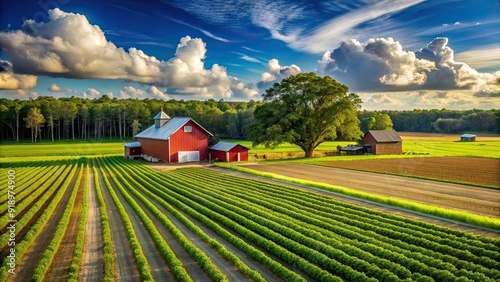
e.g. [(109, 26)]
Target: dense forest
[(105, 118)]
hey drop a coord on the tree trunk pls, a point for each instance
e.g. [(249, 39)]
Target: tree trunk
[(17, 126), (52, 127), (309, 152), (73, 128)]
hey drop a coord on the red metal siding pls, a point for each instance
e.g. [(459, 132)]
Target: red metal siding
[(233, 154), (197, 140), (155, 148), (219, 155)]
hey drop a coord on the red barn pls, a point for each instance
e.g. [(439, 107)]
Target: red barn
[(383, 142), (229, 152), (132, 150), (174, 140)]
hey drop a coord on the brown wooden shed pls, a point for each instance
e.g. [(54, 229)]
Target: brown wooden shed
[(383, 142)]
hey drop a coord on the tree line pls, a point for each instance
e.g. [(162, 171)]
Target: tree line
[(48, 118)]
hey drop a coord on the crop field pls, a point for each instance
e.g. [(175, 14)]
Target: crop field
[(196, 224), (477, 171)]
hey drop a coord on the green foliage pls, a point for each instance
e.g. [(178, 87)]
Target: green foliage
[(378, 121), (306, 110)]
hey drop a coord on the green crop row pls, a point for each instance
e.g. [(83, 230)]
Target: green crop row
[(49, 253), (107, 244), (175, 264), (140, 258), (286, 218), (281, 252), (24, 200), (76, 260), (361, 238), (23, 177), (254, 275), (445, 235), (41, 221), (36, 207), (480, 220), (200, 213), (428, 241)]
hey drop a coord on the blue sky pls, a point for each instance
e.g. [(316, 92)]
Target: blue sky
[(394, 54)]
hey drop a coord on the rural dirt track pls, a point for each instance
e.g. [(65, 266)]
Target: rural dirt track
[(474, 199), (360, 203), (92, 264), (125, 268), (25, 268)]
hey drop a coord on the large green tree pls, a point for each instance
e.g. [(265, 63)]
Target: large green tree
[(306, 110), (34, 120)]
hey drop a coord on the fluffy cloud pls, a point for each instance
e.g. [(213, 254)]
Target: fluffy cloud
[(131, 92), (10, 80), (157, 93), (383, 65), (67, 45), (91, 93), (56, 88), (275, 73)]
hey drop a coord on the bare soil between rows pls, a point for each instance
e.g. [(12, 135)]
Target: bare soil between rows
[(448, 195), (480, 171)]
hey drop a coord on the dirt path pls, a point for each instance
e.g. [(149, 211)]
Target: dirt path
[(158, 267), (372, 206), (92, 262), (58, 270), (125, 268), (469, 198), (25, 268)]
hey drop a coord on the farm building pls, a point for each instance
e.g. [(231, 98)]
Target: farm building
[(468, 138), (353, 150), (229, 152), (174, 140), (132, 150), (383, 142)]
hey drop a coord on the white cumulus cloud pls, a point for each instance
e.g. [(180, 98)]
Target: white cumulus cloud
[(275, 73), (68, 45), (56, 88), (383, 65)]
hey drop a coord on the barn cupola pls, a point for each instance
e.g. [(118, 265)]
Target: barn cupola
[(161, 118)]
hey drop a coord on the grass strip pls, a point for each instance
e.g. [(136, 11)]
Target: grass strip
[(480, 220), (49, 253)]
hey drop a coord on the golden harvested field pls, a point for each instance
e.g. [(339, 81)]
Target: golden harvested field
[(480, 171)]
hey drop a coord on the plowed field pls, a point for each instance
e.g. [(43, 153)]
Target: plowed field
[(462, 169)]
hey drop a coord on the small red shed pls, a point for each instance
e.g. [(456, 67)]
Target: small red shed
[(132, 150), (229, 152), (174, 140)]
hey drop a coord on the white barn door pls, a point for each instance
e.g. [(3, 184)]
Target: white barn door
[(189, 156)]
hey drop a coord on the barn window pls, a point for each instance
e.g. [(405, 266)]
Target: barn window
[(188, 128)]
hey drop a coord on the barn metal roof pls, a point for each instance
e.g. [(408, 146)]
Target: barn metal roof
[(165, 131), (133, 144), (468, 135), (225, 146), (351, 148), (382, 136), (161, 115)]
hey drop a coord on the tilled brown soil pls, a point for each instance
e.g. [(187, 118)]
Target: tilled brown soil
[(481, 171), (464, 197)]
